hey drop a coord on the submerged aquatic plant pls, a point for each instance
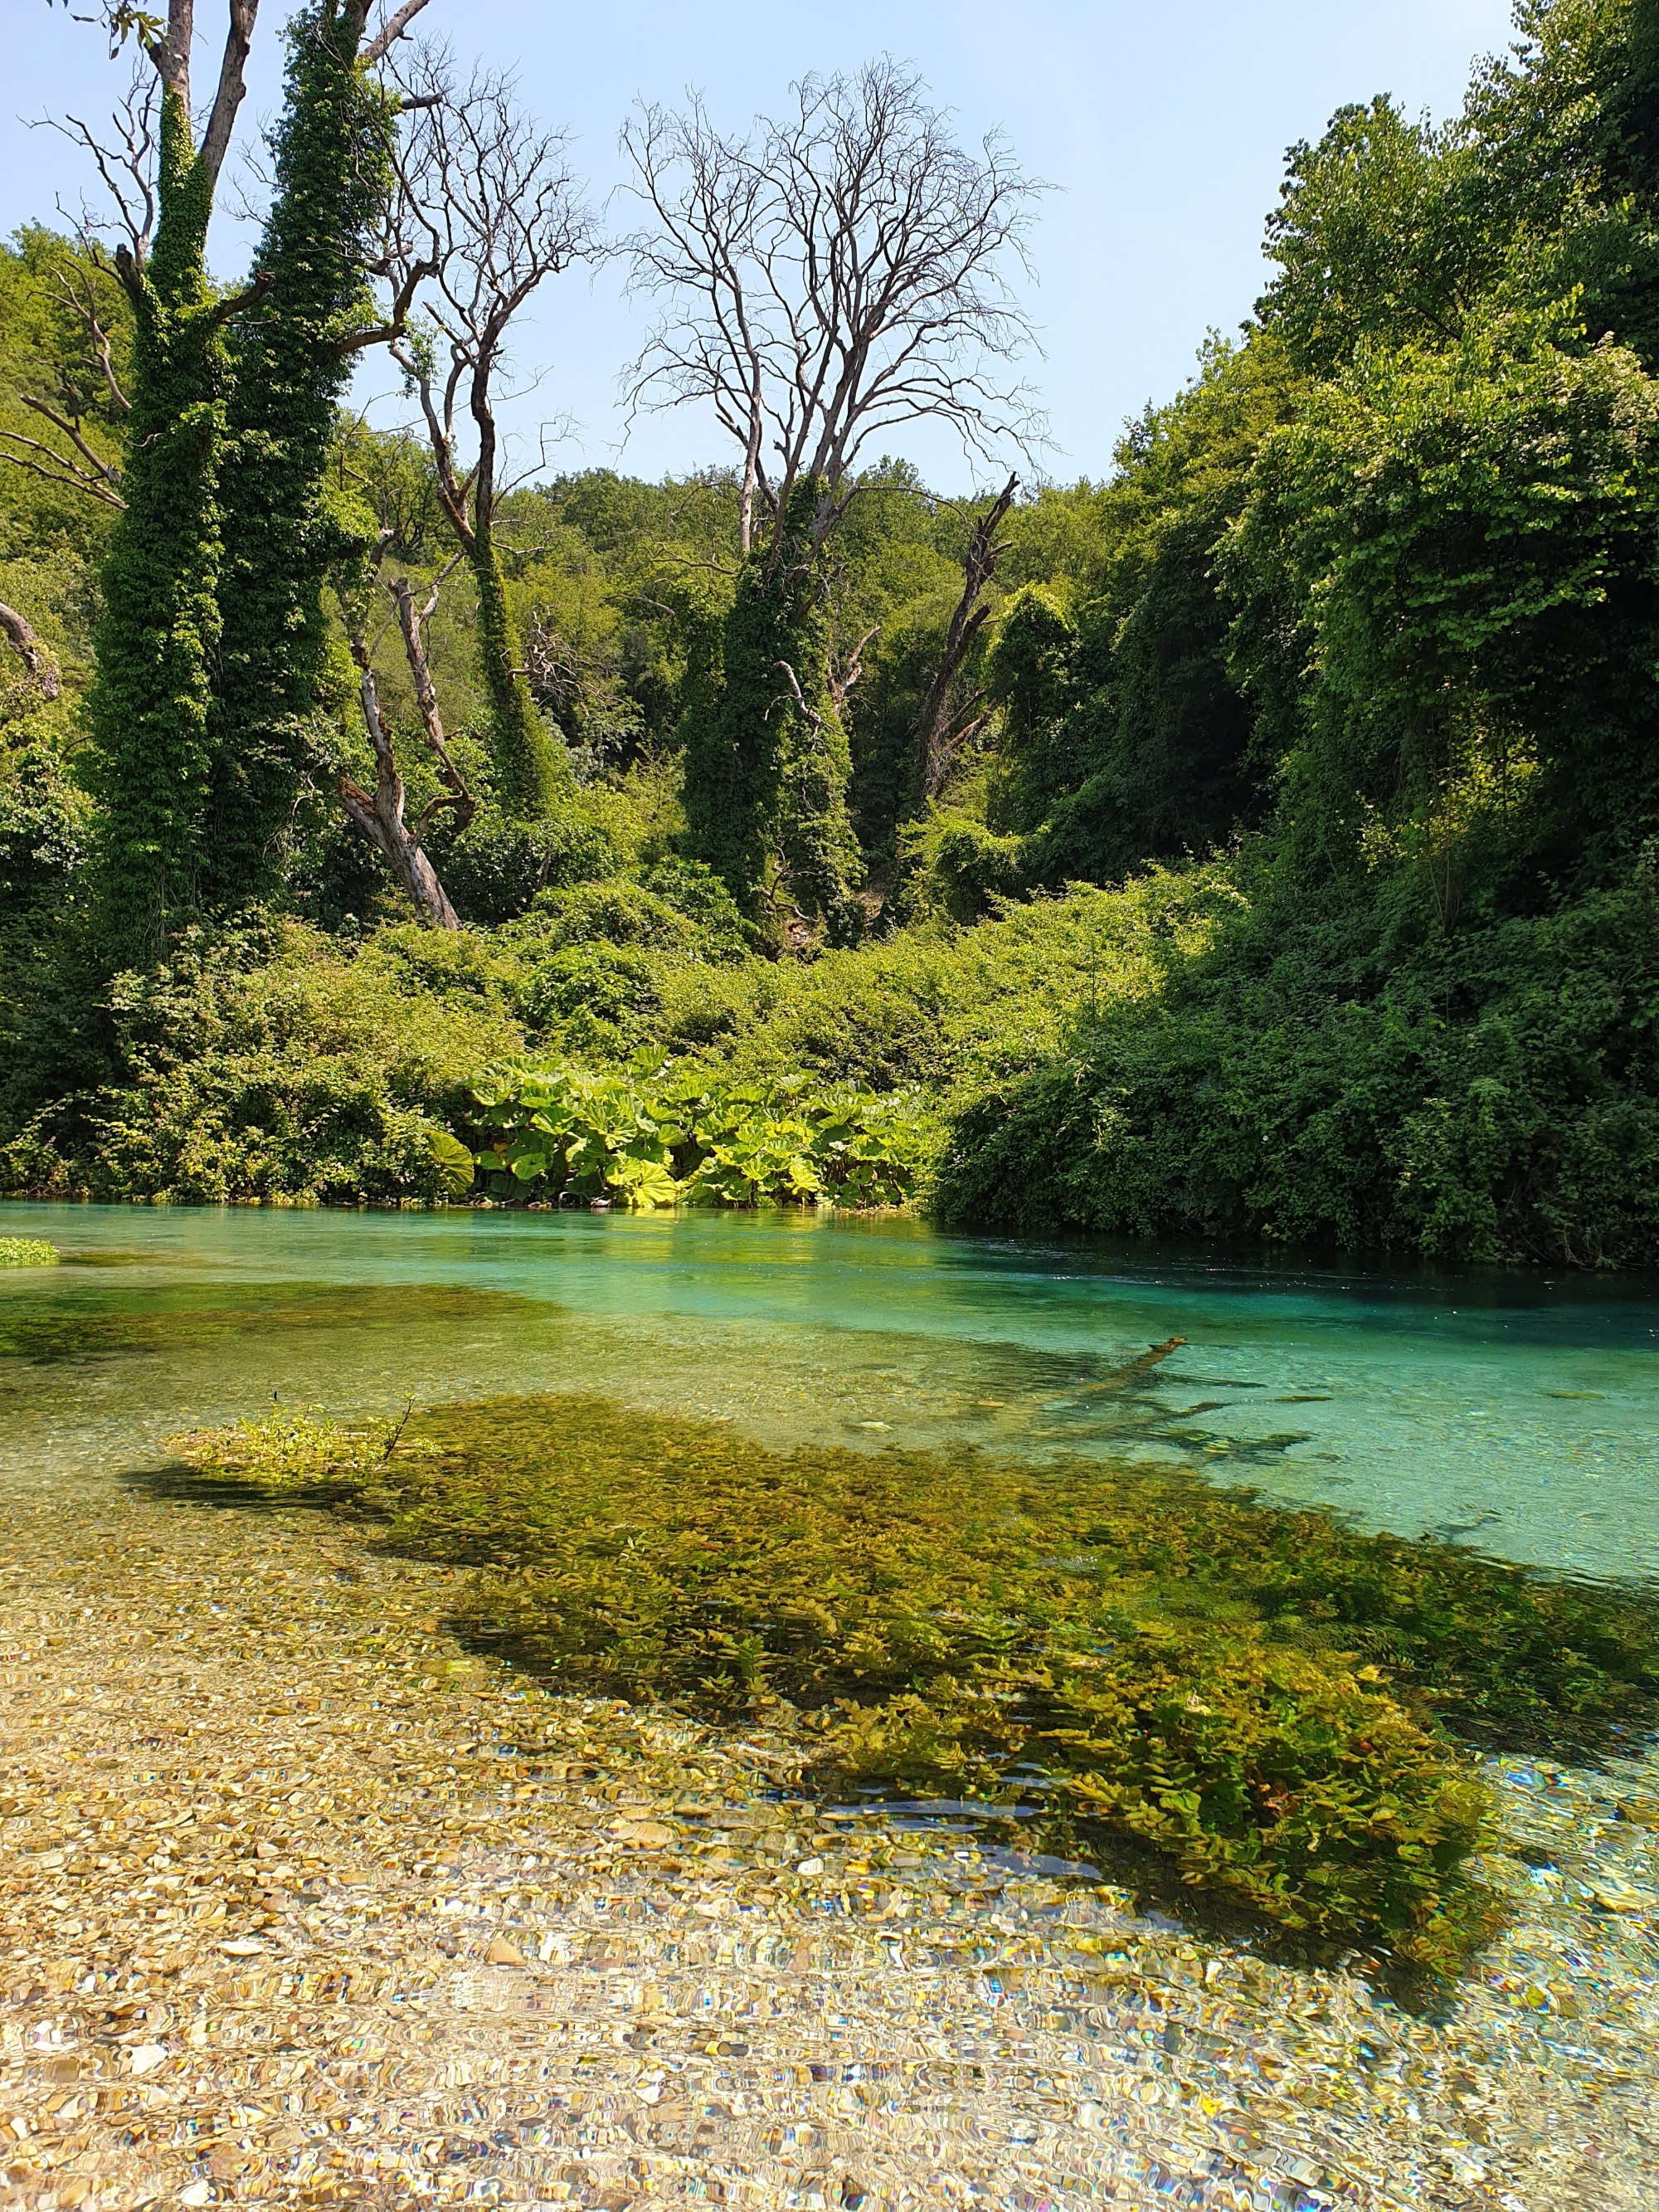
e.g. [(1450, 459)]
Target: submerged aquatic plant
[(27, 1252), (154, 1320), (1264, 1698)]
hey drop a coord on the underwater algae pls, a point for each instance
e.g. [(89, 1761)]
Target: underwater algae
[(148, 1318), (1275, 1707)]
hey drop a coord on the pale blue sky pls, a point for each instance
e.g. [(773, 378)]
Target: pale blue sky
[(1164, 129)]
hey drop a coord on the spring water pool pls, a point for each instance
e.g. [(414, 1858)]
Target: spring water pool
[(1519, 1414)]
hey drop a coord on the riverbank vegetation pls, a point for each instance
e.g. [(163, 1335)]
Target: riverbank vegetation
[(1262, 841), (1267, 1707), (27, 1252)]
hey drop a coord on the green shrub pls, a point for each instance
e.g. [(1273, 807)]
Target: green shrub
[(951, 1009), (699, 894), (618, 911), (956, 865), (44, 823), (1490, 1093), (493, 870), (1255, 1695), (602, 959), (278, 1065), (599, 999)]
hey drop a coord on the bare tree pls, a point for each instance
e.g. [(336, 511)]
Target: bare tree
[(487, 210), (828, 278), (381, 814)]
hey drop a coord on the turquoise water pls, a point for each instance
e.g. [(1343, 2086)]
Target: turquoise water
[(1521, 1414), (265, 1684)]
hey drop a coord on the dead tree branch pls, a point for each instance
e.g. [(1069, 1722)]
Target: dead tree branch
[(249, 297), (36, 657), (99, 479), (948, 723), (227, 97), (412, 621), (379, 814), (396, 27), (396, 321), (77, 289), (844, 674), (126, 169), (168, 46), (487, 209)]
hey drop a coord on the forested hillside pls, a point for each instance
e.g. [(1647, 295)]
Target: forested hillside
[(1263, 841)]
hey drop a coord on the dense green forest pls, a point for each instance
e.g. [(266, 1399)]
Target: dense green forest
[(1262, 841)]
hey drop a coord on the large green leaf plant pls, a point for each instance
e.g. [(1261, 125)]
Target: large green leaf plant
[(656, 1134)]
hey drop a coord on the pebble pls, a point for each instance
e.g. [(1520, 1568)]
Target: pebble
[(1619, 1896)]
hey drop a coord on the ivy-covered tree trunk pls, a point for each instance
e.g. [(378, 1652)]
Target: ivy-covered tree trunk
[(526, 769), (292, 362), (767, 763), (708, 784), (816, 841), (158, 634)]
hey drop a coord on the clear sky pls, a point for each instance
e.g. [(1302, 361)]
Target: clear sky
[(1162, 127)]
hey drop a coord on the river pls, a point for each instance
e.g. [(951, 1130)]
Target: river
[(302, 1903), (1520, 1412)]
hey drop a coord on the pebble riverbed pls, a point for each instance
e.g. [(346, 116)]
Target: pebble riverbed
[(301, 1906)]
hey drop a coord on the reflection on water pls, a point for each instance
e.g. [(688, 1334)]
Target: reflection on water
[(1518, 1413)]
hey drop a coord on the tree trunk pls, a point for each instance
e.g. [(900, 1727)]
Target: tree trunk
[(159, 634), (379, 814), (332, 172), (35, 657), (407, 860), (942, 727), (527, 777), (526, 780), (768, 773)]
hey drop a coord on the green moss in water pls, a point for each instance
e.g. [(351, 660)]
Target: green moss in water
[(29, 1252), (151, 1320), (1266, 1699)]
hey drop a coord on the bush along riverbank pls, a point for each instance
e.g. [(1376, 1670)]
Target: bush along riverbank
[(1270, 1713)]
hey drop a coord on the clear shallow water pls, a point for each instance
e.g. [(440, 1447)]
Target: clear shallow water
[(238, 1680), (1521, 1414)]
